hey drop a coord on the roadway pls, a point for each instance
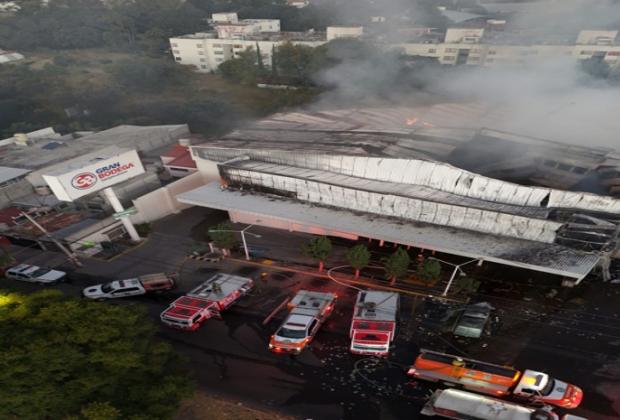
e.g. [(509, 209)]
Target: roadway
[(577, 342)]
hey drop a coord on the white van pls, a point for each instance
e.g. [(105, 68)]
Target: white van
[(462, 405)]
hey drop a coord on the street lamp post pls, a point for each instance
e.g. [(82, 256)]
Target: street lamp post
[(243, 233), (457, 268)]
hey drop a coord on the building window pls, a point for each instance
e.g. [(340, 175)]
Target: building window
[(586, 52), (199, 45), (472, 59), (237, 46), (176, 51), (201, 53), (450, 50), (613, 53), (492, 52), (448, 58), (177, 58), (432, 51), (202, 60), (217, 45), (218, 52), (175, 44), (203, 66), (219, 60)]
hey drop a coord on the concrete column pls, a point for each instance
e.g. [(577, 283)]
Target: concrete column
[(118, 207)]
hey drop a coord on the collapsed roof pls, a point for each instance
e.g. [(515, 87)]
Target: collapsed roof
[(389, 184)]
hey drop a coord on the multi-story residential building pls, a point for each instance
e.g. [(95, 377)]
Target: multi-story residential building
[(336, 32), (231, 36), (477, 47)]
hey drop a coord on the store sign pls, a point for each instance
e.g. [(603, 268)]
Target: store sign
[(95, 176)]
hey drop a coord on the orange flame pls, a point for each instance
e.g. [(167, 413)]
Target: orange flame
[(411, 121)]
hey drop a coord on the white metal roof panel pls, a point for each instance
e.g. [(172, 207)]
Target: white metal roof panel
[(7, 173), (383, 306), (220, 286)]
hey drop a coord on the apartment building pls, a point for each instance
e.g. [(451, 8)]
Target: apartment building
[(231, 36), (476, 47), (336, 32)]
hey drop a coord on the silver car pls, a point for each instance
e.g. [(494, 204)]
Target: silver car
[(473, 320), (35, 274)]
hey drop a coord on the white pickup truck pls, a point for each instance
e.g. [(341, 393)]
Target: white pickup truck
[(131, 287)]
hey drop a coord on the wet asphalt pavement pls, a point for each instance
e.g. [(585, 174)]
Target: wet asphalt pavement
[(579, 344)]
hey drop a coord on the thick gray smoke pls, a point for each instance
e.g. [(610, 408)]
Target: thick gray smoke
[(565, 16), (550, 98)]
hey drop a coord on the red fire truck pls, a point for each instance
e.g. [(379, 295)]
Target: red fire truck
[(206, 301), (374, 322), (488, 378)]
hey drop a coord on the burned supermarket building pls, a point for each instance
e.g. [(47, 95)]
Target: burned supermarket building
[(384, 175)]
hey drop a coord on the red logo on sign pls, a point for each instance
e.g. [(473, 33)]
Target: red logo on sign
[(84, 180)]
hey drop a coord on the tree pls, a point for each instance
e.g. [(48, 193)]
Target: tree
[(429, 270), (144, 74), (358, 257), (319, 248), (100, 411), (59, 354), (223, 236), (465, 285), (242, 69), (5, 258), (259, 61), (397, 264), (295, 63)]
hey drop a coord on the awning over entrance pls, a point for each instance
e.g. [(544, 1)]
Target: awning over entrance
[(292, 215)]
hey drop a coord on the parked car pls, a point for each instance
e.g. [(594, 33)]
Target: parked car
[(131, 287), (35, 274), (473, 320)]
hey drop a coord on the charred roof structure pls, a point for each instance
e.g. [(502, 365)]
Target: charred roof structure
[(383, 174)]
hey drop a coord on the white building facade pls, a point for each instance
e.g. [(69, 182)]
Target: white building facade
[(231, 36), (468, 46)]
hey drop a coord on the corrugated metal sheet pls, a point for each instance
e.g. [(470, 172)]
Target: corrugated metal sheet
[(390, 199)]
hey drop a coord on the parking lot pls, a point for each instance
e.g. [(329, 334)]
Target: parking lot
[(576, 342), (230, 357)]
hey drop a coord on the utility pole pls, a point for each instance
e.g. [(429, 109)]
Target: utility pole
[(70, 255), (457, 268)]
